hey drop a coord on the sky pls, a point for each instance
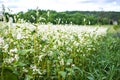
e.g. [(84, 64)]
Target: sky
[(61, 5)]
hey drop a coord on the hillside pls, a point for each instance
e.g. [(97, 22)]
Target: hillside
[(67, 17)]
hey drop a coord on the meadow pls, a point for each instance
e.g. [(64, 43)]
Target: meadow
[(58, 52)]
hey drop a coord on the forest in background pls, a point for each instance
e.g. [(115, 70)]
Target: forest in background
[(66, 17)]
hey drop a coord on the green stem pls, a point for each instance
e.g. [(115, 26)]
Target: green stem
[(48, 69), (69, 77), (2, 72), (83, 66), (63, 70), (35, 47), (2, 68), (58, 75)]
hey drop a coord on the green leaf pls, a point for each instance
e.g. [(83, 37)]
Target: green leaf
[(76, 68), (69, 69), (90, 78), (69, 61), (24, 52), (28, 77), (21, 64), (8, 75), (63, 74)]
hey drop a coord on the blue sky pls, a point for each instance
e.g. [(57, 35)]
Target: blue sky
[(62, 5)]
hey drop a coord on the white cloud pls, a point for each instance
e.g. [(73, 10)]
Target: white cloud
[(62, 5)]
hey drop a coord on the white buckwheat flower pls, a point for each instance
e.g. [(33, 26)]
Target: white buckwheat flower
[(1, 41), (35, 69), (6, 47), (40, 57), (16, 57), (19, 36), (62, 62), (8, 60), (24, 69), (13, 50)]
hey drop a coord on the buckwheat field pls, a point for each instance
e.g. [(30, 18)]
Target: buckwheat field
[(58, 52)]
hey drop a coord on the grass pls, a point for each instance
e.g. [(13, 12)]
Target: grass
[(63, 52)]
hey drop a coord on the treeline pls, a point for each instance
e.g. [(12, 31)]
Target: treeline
[(67, 17)]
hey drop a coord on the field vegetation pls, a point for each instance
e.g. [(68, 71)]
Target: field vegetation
[(35, 51)]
